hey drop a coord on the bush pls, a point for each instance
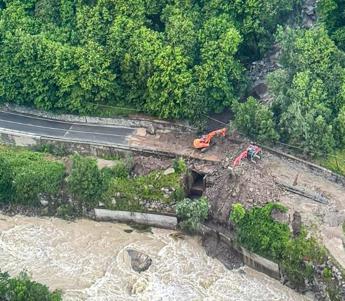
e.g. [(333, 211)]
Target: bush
[(6, 181), (67, 211), (128, 192), (180, 165), (21, 288), (255, 120), (299, 257), (257, 231), (192, 212), (33, 174), (120, 170), (86, 182)]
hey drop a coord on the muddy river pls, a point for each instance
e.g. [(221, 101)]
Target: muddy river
[(88, 261)]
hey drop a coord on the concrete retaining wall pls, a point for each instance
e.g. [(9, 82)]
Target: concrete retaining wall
[(139, 122), (251, 259), (18, 138), (161, 221)]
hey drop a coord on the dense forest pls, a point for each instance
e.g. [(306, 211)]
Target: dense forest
[(180, 59), (175, 59)]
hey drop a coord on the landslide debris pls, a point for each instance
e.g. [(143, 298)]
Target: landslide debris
[(249, 184)]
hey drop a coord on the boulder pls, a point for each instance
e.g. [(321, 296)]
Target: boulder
[(151, 129), (139, 261)]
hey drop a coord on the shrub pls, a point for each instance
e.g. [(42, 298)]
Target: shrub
[(238, 212), (180, 165), (33, 174), (21, 288), (299, 257), (6, 181), (86, 182), (192, 212), (38, 178), (120, 170), (257, 231), (128, 192), (67, 211), (255, 120)]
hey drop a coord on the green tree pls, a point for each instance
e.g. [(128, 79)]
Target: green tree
[(308, 90), (86, 183), (255, 120), (331, 14), (257, 231), (6, 181), (191, 213), (21, 288), (168, 85)]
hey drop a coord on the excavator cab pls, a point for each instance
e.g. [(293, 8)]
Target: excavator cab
[(205, 141)]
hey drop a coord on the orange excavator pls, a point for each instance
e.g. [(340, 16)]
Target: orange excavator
[(204, 142)]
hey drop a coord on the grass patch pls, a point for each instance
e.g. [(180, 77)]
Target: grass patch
[(335, 162), (128, 193)]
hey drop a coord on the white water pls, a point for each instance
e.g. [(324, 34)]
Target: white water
[(89, 261)]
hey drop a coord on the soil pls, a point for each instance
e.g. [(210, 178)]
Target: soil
[(250, 184), (181, 144)]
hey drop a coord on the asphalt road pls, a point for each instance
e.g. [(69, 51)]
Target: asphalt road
[(67, 130)]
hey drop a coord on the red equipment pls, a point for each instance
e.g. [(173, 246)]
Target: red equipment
[(245, 154)]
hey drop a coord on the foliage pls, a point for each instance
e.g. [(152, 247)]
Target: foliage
[(299, 257), (335, 162), (33, 174), (191, 213), (237, 213), (257, 231), (255, 120), (86, 182), (55, 150), (331, 14), (21, 288), (127, 193), (6, 181), (175, 59), (327, 273), (119, 170), (308, 90), (180, 165)]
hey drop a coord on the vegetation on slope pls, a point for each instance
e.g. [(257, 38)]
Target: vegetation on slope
[(173, 58), (31, 178), (300, 257)]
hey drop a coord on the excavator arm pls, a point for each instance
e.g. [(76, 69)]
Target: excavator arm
[(205, 141)]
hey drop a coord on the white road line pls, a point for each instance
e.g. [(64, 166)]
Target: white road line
[(66, 122), (64, 130)]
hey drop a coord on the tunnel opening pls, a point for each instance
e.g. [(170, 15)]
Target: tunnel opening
[(198, 184)]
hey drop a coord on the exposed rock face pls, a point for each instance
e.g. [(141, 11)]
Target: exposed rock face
[(270, 62), (309, 13), (139, 261)]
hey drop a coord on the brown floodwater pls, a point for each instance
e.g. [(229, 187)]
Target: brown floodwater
[(88, 260)]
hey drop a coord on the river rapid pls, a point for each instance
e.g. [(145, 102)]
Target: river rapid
[(88, 260)]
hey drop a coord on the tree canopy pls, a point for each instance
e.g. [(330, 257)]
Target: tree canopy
[(174, 59)]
